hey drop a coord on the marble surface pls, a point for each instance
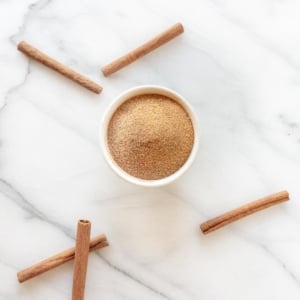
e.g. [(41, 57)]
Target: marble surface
[(238, 63)]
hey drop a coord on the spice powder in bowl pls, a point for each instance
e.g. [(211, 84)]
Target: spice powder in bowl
[(150, 136)]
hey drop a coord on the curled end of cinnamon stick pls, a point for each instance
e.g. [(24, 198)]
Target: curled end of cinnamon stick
[(20, 277), (97, 89), (21, 45), (180, 27), (84, 221), (204, 228)]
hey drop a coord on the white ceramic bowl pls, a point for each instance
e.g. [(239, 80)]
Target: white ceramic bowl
[(139, 90)]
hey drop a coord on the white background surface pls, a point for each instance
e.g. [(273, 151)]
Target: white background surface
[(238, 63)]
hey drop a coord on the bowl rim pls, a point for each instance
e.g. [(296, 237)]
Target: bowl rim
[(123, 97)]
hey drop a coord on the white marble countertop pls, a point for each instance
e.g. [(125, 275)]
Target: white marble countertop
[(238, 63)]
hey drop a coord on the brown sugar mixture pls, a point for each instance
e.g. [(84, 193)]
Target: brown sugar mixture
[(150, 136)]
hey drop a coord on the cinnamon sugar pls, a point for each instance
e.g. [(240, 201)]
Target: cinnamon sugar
[(150, 136)]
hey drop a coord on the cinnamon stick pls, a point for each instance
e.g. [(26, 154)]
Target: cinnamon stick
[(54, 261), (81, 259), (58, 67), (144, 49), (243, 211)]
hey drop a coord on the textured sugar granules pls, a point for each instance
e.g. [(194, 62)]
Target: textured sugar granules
[(150, 136)]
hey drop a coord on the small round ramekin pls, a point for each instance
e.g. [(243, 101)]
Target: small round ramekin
[(141, 90)]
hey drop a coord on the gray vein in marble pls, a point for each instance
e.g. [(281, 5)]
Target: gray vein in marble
[(270, 254), (181, 287), (288, 123), (16, 196), (16, 87), (32, 9), (13, 39), (135, 279), (122, 295), (281, 264)]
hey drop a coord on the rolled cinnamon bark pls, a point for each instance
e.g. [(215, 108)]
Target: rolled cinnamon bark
[(52, 262), (81, 259), (144, 49), (243, 211), (55, 65)]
